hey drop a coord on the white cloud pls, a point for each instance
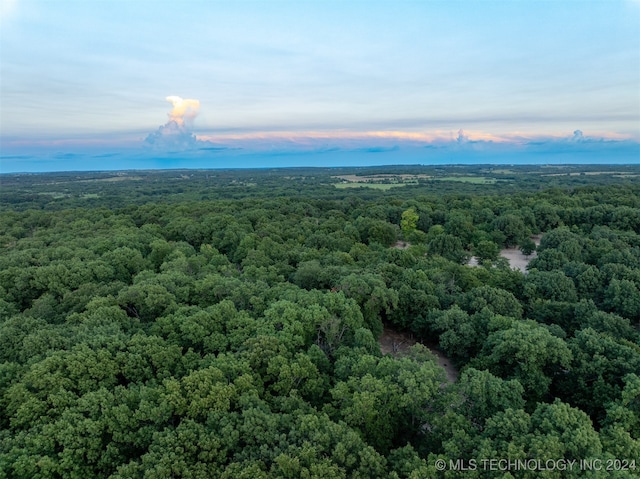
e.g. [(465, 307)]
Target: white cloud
[(176, 134)]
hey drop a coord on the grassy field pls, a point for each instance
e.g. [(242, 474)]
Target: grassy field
[(382, 182), (375, 181), (480, 180), (58, 195), (375, 186), (54, 194), (397, 178)]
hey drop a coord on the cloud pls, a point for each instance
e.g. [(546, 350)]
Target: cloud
[(184, 111), (462, 138), (577, 136), (176, 134), (172, 136)]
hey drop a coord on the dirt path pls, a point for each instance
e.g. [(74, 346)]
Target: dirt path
[(396, 342)]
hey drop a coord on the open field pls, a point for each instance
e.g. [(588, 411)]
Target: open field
[(381, 177), (381, 181), (478, 180), (375, 186)]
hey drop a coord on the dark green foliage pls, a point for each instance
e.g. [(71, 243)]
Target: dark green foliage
[(600, 364), (527, 352), (527, 246), (512, 228), (449, 247), (486, 251), (228, 324)]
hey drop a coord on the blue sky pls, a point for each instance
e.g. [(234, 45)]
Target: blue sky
[(456, 80)]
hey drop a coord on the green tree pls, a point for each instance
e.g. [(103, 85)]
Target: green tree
[(459, 224), (512, 227), (527, 352), (449, 247), (409, 221), (527, 246), (549, 285), (386, 398), (497, 300), (622, 296), (483, 395), (372, 295), (596, 376), (486, 251)]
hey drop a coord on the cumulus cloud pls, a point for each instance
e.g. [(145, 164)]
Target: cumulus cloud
[(184, 111), (577, 136), (176, 134), (462, 138), (172, 136)]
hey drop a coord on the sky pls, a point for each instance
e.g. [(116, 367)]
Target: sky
[(112, 84)]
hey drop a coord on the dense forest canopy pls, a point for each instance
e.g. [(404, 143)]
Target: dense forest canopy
[(227, 324)]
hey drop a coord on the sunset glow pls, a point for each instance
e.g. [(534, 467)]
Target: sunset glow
[(464, 76)]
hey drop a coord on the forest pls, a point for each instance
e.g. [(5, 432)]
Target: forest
[(228, 323)]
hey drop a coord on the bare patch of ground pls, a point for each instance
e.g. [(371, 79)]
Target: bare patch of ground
[(516, 259), (401, 245), (396, 342)]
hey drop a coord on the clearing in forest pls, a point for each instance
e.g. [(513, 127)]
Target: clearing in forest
[(398, 342)]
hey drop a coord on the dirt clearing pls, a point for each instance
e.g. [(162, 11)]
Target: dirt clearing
[(395, 343)]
